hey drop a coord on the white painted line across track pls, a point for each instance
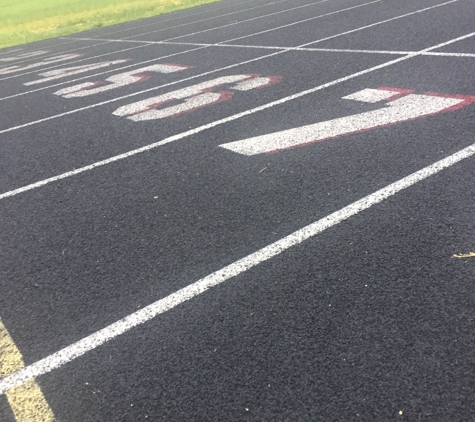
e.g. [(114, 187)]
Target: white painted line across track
[(169, 84), (209, 125), (91, 342), (222, 44), (108, 41)]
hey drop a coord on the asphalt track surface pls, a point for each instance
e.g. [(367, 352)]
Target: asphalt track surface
[(369, 318)]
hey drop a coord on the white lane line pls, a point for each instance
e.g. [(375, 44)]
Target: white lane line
[(53, 53), (184, 16), (218, 122), (227, 14), (211, 45), (154, 88), (382, 22), (55, 59), (446, 54), (91, 342), (16, 75), (127, 39), (53, 75), (324, 50), (131, 48), (7, 51), (23, 57), (306, 20), (157, 22), (118, 69), (248, 20)]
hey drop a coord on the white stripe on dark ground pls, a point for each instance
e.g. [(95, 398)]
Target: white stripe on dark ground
[(91, 342), (158, 22), (145, 33), (245, 46), (305, 49), (184, 16), (215, 123), (168, 39), (407, 107), (154, 88)]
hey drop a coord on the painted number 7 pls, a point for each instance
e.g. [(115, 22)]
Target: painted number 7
[(399, 105)]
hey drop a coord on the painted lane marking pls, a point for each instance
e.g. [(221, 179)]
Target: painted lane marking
[(119, 80), (346, 32), (403, 106), (218, 70), (91, 342), (315, 17), (324, 50), (52, 75), (351, 31), (314, 42), (196, 96), (5, 52), (202, 128), (75, 61), (256, 18), (26, 401), (73, 40), (195, 14), (99, 73), (54, 59), (127, 39), (142, 46), (223, 45), (23, 56)]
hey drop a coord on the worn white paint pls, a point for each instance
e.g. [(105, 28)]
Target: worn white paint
[(283, 49), (23, 56), (194, 97), (116, 81), (257, 83), (406, 108), (52, 75), (55, 59), (371, 95), (202, 128), (91, 342)]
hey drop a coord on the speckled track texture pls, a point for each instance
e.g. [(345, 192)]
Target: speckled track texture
[(104, 212)]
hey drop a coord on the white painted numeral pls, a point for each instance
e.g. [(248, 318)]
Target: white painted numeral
[(20, 67), (22, 56), (68, 71), (116, 81), (196, 96), (402, 106)]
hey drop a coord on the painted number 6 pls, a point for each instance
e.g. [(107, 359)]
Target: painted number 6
[(196, 96)]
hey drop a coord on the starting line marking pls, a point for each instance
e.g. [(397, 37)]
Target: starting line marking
[(26, 401), (403, 106), (114, 330), (204, 127), (302, 47)]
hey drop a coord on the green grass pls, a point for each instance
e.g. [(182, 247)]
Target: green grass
[(23, 21)]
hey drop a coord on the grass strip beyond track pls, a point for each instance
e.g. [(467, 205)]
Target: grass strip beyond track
[(34, 20)]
